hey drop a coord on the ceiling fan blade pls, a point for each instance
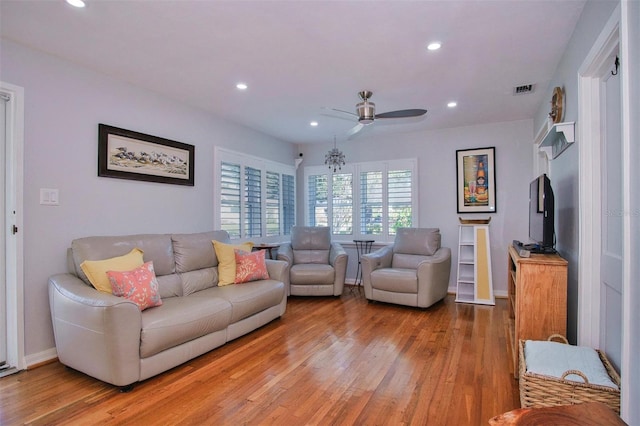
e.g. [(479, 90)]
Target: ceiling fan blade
[(338, 113), (402, 113), (354, 130)]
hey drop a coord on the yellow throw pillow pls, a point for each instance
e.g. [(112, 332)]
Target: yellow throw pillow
[(227, 260), (96, 270)]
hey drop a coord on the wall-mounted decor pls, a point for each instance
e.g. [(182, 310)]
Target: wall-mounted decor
[(476, 181), (125, 154)]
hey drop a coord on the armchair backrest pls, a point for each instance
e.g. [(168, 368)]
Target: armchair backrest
[(310, 244), (411, 245)]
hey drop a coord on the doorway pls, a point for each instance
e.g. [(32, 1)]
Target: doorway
[(11, 258), (605, 256)]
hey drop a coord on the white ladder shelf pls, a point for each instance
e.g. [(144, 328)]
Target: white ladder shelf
[(475, 281)]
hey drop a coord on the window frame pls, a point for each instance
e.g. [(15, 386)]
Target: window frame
[(355, 169), (222, 155)]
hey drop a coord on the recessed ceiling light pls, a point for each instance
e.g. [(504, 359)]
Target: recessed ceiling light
[(242, 86), (76, 3), (313, 124), (452, 104), (434, 46)]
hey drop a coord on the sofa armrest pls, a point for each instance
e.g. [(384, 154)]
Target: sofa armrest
[(433, 277), (338, 258), (337, 254), (377, 259), (278, 270), (95, 332), (285, 253), (369, 262)]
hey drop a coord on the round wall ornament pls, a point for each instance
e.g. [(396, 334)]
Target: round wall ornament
[(557, 105)]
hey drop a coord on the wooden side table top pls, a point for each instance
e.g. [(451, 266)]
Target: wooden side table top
[(264, 246), (267, 247), (587, 414)]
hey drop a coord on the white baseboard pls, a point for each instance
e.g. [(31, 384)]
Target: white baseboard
[(40, 357)]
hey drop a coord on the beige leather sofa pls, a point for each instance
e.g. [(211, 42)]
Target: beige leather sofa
[(414, 271), (109, 338), (317, 266)]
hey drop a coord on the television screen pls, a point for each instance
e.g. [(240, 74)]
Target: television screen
[(541, 215)]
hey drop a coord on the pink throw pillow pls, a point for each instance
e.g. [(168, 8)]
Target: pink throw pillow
[(139, 285), (250, 266)]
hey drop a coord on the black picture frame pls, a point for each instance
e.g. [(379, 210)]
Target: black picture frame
[(476, 180), (125, 154)]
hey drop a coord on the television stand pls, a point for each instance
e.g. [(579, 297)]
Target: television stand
[(537, 288)]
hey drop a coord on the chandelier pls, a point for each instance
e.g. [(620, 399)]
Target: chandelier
[(334, 158)]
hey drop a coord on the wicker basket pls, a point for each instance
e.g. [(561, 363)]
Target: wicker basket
[(537, 390)]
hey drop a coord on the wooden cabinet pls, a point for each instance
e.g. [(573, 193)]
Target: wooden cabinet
[(475, 281), (537, 289)]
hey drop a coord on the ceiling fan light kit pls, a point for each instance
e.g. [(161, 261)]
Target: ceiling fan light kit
[(366, 110)]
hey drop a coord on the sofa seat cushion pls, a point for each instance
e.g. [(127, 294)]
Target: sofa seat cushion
[(395, 280), (312, 273), (181, 319), (248, 298)]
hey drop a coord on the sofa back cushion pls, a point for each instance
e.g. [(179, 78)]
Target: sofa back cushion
[(195, 251), (156, 248), (419, 241), (196, 261), (310, 244)]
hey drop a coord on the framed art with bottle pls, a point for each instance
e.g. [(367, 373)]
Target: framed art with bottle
[(476, 180)]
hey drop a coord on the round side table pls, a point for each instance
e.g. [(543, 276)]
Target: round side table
[(362, 247)]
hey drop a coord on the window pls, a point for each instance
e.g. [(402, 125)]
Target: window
[(342, 204), (252, 202), (273, 204), (255, 197), (371, 203), (363, 200), (230, 199), (288, 203), (399, 199), (318, 214)]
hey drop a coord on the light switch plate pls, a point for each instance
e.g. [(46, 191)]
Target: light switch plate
[(49, 197)]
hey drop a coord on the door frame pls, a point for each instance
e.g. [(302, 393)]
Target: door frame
[(14, 215), (614, 36), (590, 99)]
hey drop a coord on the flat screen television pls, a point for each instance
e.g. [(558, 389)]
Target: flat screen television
[(541, 216)]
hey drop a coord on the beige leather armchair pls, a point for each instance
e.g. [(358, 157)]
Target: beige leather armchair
[(317, 265), (414, 271)]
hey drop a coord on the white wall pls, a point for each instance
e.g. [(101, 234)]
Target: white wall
[(63, 106), (436, 154), (564, 169)]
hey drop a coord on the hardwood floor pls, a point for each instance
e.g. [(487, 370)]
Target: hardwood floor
[(335, 361)]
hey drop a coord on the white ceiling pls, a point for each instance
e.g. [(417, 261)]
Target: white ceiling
[(300, 56)]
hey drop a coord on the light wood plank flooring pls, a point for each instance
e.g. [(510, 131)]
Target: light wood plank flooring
[(338, 361)]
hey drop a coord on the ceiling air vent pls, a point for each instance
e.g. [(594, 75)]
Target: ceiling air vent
[(524, 89)]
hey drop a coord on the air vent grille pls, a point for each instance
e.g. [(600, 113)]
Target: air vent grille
[(524, 89)]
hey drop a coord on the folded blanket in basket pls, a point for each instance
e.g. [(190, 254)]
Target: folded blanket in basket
[(554, 359)]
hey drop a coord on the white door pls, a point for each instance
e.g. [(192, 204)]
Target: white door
[(3, 275), (11, 243), (611, 244)]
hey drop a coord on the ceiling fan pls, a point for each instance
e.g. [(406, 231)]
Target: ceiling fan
[(366, 113)]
